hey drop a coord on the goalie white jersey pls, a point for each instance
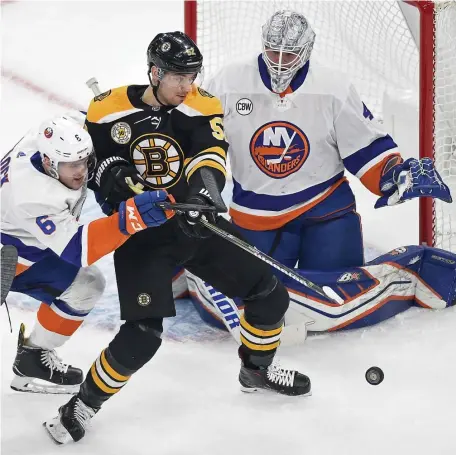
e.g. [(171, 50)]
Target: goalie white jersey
[(39, 214), (288, 152)]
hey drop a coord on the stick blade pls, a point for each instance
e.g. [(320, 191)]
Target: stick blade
[(333, 295)]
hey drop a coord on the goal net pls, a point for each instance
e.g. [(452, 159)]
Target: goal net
[(390, 50)]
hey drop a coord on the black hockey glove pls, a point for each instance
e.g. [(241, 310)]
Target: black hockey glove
[(111, 179), (188, 221), (206, 193)]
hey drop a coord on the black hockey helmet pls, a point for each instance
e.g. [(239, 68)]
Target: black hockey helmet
[(174, 51)]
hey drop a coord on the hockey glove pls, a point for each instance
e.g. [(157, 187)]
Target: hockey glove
[(188, 221), (110, 177), (410, 179), (141, 212), (205, 190)]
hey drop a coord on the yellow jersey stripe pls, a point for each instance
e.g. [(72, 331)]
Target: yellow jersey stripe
[(203, 105), (116, 102), (208, 163), (217, 150)]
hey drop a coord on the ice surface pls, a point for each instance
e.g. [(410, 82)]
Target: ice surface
[(186, 401)]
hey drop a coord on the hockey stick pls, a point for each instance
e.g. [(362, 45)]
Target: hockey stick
[(279, 160), (324, 291), (182, 207), (92, 83), (177, 207), (8, 272)]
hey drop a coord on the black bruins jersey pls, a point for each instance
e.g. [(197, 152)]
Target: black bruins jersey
[(167, 145)]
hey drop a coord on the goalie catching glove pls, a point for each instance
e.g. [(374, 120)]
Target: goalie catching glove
[(404, 180)]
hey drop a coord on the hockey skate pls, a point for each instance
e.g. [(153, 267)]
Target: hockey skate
[(274, 379), (42, 371), (72, 421)]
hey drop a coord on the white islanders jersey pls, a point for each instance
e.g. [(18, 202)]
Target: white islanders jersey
[(288, 152), (38, 213)]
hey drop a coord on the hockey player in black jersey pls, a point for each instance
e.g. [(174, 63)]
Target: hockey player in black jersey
[(169, 135)]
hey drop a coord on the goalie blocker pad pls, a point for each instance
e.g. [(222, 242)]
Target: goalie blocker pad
[(390, 284)]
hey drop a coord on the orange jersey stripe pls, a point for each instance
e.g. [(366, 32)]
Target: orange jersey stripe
[(21, 268), (267, 223), (55, 323), (371, 179), (103, 237)]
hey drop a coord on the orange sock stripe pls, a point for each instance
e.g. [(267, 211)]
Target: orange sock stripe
[(55, 323), (103, 237)]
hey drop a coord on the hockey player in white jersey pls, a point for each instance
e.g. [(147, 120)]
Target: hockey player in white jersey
[(43, 188), (294, 128)]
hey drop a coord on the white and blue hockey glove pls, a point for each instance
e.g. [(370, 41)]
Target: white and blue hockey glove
[(410, 179)]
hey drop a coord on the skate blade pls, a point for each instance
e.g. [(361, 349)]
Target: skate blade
[(31, 385), (268, 391), (57, 432)]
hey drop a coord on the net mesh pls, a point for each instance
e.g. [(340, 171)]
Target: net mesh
[(445, 121), (372, 43)]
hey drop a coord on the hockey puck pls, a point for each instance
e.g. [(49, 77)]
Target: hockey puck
[(374, 376)]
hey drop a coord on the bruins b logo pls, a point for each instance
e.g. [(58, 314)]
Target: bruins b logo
[(158, 158)]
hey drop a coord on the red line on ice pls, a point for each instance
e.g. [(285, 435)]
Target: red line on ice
[(29, 85)]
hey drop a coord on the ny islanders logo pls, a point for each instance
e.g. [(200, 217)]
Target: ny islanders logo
[(279, 149)]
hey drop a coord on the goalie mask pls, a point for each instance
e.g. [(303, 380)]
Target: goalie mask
[(288, 40)]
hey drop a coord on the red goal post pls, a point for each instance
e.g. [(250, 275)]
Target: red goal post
[(407, 46)]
